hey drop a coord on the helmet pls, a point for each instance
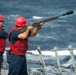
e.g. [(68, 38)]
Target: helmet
[(1, 18), (21, 21)]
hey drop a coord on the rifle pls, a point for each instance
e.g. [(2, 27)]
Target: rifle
[(53, 18), (37, 24)]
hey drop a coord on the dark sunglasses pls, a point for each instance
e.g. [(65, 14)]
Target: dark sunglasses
[(1, 21)]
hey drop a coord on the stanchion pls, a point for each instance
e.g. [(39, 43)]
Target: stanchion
[(72, 57), (58, 62), (41, 60)]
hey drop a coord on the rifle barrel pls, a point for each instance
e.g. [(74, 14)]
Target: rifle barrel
[(49, 19), (53, 18)]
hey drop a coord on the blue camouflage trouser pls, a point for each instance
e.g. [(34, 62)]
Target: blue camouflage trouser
[(17, 65)]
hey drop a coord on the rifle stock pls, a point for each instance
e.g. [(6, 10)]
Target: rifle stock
[(53, 18)]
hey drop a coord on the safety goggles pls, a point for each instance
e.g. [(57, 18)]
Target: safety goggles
[(1, 21)]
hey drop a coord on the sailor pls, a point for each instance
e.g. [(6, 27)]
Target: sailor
[(18, 42), (3, 37)]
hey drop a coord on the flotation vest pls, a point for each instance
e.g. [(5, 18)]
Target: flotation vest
[(20, 46), (2, 42)]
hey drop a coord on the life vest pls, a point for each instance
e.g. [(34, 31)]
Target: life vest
[(20, 46), (2, 42)]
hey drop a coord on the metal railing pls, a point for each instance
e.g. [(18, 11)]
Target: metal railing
[(43, 70)]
